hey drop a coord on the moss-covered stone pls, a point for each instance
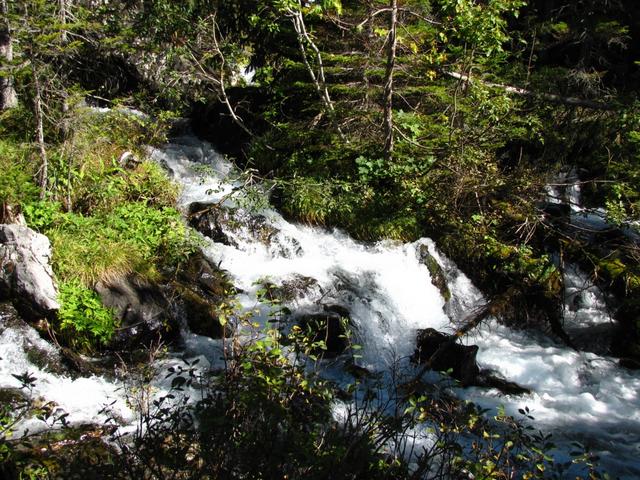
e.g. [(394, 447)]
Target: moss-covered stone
[(438, 278)]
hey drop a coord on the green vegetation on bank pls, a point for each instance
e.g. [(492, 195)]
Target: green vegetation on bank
[(390, 119), (105, 220)]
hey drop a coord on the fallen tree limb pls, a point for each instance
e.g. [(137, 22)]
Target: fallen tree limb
[(549, 97)]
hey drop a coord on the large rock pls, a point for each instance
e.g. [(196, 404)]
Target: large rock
[(214, 222), (328, 326), (230, 226), (290, 290), (445, 354), (199, 289), (144, 312), (26, 276), (438, 277)]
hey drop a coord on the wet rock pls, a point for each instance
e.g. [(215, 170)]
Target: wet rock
[(13, 397), (438, 277), (73, 451), (281, 245), (626, 338), (200, 273), (143, 310), (261, 229), (298, 286), (493, 379), (328, 326), (222, 224), (214, 222), (198, 291), (26, 276), (9, 317), (37, 350), (630, 363), (201, 313), (447, 355), (556, 211), (357, 371)]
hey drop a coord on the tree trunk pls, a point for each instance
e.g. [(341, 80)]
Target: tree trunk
[(37, 109), (319, 81), (388, 83), (62, 14), (303, 37), (8, 98)]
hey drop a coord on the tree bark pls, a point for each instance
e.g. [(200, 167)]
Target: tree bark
[(388, 83), (319, 80), (8, 97), (303, 37), (37, 109), (62, 14)]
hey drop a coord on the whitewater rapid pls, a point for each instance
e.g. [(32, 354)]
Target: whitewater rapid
[(578, 396), (583, 396)]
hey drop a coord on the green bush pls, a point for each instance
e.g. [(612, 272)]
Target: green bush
[(84, 321), (16, 182)]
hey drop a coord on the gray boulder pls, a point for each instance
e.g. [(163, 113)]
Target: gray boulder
[(26, 276), (144, 312)]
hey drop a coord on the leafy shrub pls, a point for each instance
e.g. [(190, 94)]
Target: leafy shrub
[(83, 319), (16, 182), (41, 214)]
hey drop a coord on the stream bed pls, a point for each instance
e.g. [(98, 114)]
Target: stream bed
[(582, 396)]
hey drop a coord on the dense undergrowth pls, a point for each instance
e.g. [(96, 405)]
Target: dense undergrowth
[(105, 219), (469, 168), (268, 413)]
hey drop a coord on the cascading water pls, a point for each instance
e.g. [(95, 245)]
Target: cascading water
[(576, 395), (23, 351)]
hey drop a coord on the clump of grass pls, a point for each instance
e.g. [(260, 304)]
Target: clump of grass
[(133, 238)]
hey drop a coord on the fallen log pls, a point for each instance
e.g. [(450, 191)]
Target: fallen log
[(549, 97)]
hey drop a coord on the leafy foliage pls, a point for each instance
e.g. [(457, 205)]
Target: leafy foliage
[(83, 319)]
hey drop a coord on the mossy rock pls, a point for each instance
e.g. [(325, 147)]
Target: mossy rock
[(201, 313), (290, 290), (202, 274), (438, 278), (13, 397), (75, 452)]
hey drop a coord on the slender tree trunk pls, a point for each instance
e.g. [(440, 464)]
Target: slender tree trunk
[(8, 97), (37, 109), (319, 80), (63, 14), (388, 83)]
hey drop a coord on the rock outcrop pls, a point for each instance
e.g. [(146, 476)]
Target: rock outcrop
[(444, 354), (26, 276), (328, 326), (438, 277), (143, 310)]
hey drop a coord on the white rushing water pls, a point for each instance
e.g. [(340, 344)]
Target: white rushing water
[(579, 396), (23, 351)]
